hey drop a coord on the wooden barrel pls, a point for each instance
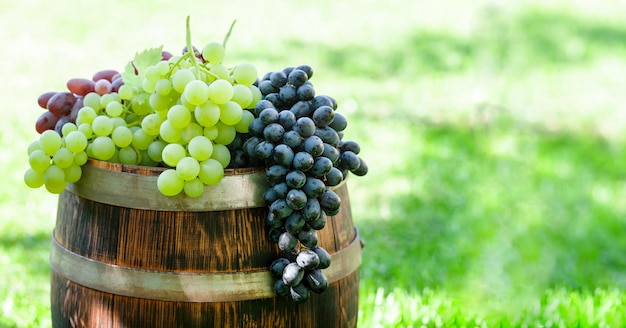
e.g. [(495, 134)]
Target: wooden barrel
[(123, 255)]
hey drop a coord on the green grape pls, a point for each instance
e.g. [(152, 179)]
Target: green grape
[(54, 179), (92, 100), (39, 160), (145, 160), (226, 133), (152, 73), (80, 158), (200, 148), (33, 146), (85, 128), (163, 67), (213, 53), (50, 142), (122, 136), (220, 71), (181, 78), (221, 154), (102, 126), (151, 124), (242, 95), (76, 141), (86, 115), (159, 102), (211, 132), (179, 116), (193, 188), (141, 108), (105, 99), (207, 114), (148, 86), (114, 109), (163, 87), (220, 91), (256, 96), (188, 168), (67, 128), (211, 172), (33, 178), (169, 133), (246, 118), (230, 113), (117, 122), (73, 173), (103, 148), (129, 155), (141, 140), (173, 153), (196, 92), (126, 92), (190, 131), (169, 183), (63, 158), (245, 73), (155, 150)]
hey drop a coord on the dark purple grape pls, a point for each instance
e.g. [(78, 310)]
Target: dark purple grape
[(273, 222), (281, 289), (350, 146), (293, 273), (261, 105), (287, 119), (308, 237), (287, 242), (300, 293), (280, 209), (311, 210), (323, 116), (334, 177), (268, 115), (292, 139), (287, 70), (308, 259), (264, 150), (330, 201), (319, 223), (297, 77), (331, 153), (349, 161), (266, 87), (256, 127), (339, 123), (301, 109), (362, 170), (283, 155), (294, 223), (276, 173), (305, 127), (305, 92), (313, 187), (303, 161), (323, 256), (316, 281), (321, 166), (278, 266), (274, 98), (288, 95), (278, 78), (296, 199), (321, 100), (314, 146), (328, 135), (295, 179), (307, 69)]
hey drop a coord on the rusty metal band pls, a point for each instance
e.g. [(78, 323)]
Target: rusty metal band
[(181, 286), (139, 191)]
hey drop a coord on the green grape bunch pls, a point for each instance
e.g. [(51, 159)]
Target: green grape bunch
[(175, 111)]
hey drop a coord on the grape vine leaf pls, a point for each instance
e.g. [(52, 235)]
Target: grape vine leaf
[(142, 60)]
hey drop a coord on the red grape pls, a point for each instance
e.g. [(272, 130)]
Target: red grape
[(107, 74), (80, 86), (46, 121), (61, 103), (43, 99)]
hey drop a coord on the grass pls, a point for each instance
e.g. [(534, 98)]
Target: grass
[(494, 135)]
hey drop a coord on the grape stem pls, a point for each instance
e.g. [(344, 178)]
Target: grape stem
[(190, 49), (230, 30)]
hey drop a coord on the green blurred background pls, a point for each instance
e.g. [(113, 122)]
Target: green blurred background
[(494, 133)]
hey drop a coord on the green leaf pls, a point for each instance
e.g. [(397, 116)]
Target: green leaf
[(142, 60)]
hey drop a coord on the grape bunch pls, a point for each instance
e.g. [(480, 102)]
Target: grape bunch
[(179, 112), (297, 135)]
